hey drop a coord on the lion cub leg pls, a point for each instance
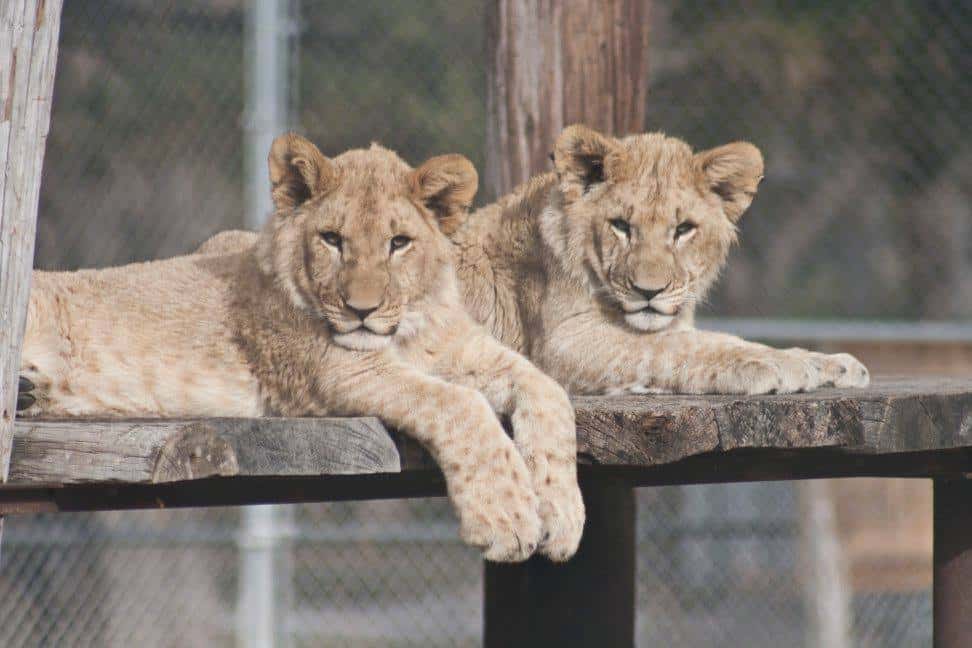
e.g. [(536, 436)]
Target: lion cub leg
[(708, 362), (542, 417), (486, 478)]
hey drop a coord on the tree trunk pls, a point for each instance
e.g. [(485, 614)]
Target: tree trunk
[(28, 57), (551, 64)]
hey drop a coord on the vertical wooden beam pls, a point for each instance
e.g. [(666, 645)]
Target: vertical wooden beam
[(587, 601), (28, 58), (952, 586), (552, 63)]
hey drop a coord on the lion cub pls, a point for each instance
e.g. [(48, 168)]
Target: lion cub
[(346, 306), (594, 270)]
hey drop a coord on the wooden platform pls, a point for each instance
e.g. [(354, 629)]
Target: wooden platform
[(896, 428)]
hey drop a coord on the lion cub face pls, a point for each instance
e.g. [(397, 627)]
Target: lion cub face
[(649, 222), (360, 240)]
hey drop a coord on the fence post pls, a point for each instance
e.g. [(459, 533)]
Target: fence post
[(265, 587), (826, 592), (28, 58)]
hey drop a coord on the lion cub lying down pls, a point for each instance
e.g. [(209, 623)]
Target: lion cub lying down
[(594, 270), (347, 305)]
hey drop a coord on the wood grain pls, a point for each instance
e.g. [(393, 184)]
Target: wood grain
[(616, 433), (160, 451), (28, 57), (552, 64)]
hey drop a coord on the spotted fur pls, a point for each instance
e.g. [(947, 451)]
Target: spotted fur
[(327, 314)]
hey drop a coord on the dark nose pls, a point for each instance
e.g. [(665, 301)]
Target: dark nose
[(362, 313), (648, 293)]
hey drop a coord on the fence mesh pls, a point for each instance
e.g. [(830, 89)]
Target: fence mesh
[(861, 109)]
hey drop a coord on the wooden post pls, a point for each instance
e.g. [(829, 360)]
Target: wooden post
[(551, 64), (28, 58), (951, 590), (588, 601)]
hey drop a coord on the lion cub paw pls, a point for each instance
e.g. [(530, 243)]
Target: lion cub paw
[(32, 390), (841, 370), (561, 513), (782, 373), (545, 438), (25, 399), (498, 512)]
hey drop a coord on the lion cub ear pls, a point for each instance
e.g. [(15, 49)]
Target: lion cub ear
[(446, 184), (732, 172), (298, 171), (584, 157)]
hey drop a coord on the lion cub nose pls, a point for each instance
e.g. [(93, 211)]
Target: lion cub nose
[(648, 293), (362, 313)]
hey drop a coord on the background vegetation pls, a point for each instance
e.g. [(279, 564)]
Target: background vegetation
[(862, 109)]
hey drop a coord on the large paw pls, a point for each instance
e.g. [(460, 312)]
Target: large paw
[(546, 438), (840, 370), (561, 508), (498, 509), (780, 372)]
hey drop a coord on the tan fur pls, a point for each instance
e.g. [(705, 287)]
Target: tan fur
[(545, 271), (325, 316)]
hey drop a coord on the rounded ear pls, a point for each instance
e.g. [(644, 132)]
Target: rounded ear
[(298, 171), (732, 172), (446, 184), (584, 157)]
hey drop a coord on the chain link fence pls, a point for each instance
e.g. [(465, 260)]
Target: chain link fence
[(862, 110)]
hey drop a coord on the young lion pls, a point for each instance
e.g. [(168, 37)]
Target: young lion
[(594, 270), (347, 305)]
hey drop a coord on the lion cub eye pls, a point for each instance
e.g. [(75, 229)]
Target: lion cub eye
[(684, 228), (399, 242), (332, 238), (621, 226)]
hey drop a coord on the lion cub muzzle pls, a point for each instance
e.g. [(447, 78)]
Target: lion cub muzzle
[(367, 321), (651, 309)]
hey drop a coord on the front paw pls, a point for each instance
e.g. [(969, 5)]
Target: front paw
[(561, 509), (498, 510), (780, 372), (840, 370), (547, 443)]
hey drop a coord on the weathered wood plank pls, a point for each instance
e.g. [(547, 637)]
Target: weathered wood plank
[(636, 432), (709, 468), (893, 415), (160, 451), (28, 56)]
